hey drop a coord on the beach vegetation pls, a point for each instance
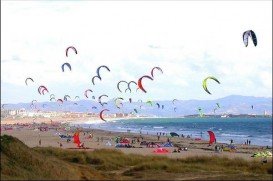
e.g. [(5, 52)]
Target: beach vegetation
[(18, 161)]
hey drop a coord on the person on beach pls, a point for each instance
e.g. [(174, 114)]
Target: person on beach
[(249, 142), (217, 149), (81, 145), (179, 149), (40, 142), (231, 141), (158, 138)]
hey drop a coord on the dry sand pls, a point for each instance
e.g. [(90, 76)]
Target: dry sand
[(30, 135)]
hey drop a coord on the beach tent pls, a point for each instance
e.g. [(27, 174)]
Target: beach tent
[(173, 134), (125, 140), (232, 146), (168, 144), (65, 136), (212, 138), (161, 150), (120, 145)]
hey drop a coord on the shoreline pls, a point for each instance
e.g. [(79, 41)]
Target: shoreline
[(81, 120), (101, 139), (97, 123)]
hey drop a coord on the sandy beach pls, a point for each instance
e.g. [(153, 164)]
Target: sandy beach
[(27, 132)]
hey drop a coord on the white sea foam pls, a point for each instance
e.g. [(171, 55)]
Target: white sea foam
[(233, 135), (158, 127)]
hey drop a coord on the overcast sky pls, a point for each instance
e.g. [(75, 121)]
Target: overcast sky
[(188, 40)]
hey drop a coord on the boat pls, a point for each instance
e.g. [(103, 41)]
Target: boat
[(224, 116)]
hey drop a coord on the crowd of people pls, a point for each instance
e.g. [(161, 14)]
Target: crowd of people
[(140, 139)]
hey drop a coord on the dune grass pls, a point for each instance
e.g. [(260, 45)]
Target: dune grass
[(20, 162)]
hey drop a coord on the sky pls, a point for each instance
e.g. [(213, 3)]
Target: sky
[(188, 40)]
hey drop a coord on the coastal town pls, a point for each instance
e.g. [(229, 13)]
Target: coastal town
[(23, 113)]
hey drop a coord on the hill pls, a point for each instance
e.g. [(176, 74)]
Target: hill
[(21, 162), (233, 104)]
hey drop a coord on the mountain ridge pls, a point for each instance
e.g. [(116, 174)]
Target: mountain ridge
[(233, 104)]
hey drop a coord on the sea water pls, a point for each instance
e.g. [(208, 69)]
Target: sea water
[(257, 130)]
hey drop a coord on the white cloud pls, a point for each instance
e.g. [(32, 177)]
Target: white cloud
[(194, 40)]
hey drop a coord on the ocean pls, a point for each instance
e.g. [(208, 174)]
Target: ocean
[(257, 130)]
